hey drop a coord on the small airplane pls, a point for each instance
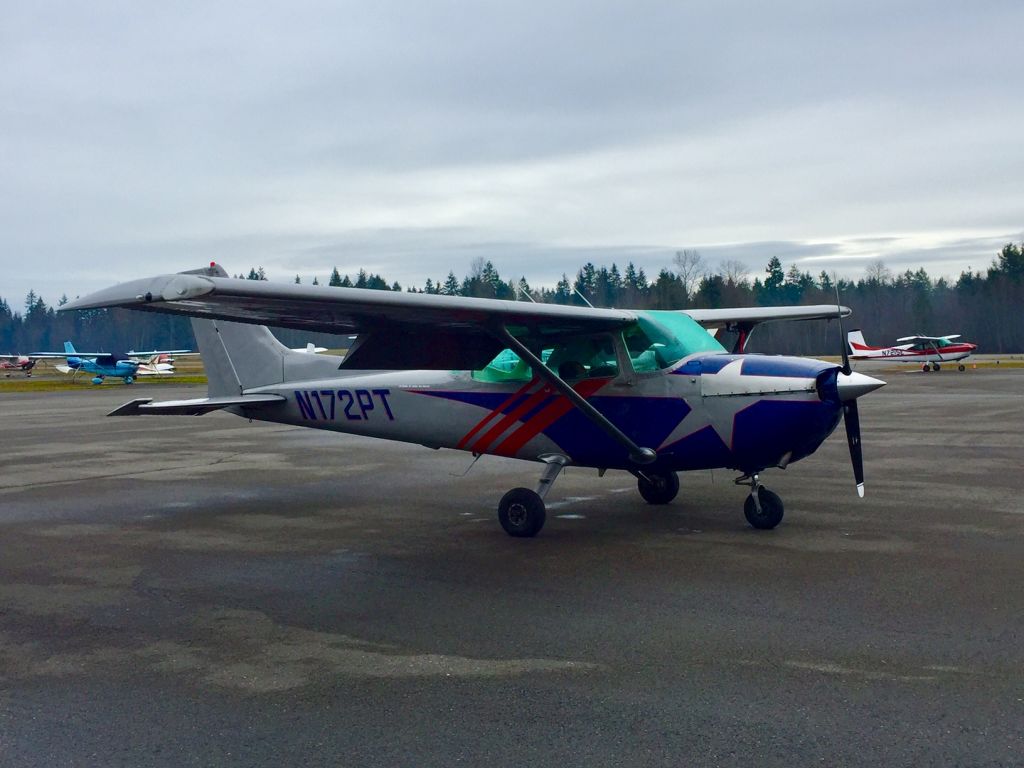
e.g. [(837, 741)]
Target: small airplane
[(648, 392), (310, 349), (23, 363), (928, 350), (114, 364)]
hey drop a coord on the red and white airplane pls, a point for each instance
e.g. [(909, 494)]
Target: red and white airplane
[(928, 350), (22, 363)]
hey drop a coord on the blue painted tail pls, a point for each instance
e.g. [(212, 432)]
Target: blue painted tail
[(69, 347)]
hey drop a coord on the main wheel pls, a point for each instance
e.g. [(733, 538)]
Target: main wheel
[(771, 510), (521, 512), (658, 487), (129, 380), (936, 367), (962, 367)]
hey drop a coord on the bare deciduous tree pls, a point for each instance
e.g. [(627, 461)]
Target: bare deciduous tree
[(734, 272), (690, 268), (877, 273)]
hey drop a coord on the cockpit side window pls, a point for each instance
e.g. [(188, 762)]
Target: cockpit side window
[(585, 357)]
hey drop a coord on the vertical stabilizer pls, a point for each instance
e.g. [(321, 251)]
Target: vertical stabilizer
[(239, 357), (855, 339)]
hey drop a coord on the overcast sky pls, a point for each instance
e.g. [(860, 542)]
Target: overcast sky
[(410, 138)]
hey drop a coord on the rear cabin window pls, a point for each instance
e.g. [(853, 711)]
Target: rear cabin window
[(575, 359)]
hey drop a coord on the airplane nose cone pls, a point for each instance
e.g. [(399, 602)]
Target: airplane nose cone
[(853, 385)]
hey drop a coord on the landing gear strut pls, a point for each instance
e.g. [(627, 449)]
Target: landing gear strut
[(763, 508), (521, 511), (657, 487)]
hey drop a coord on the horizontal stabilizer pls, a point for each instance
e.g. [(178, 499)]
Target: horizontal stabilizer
[(144, 406)]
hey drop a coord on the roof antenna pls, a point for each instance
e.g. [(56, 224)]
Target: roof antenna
[(521, 291), (577, 292)]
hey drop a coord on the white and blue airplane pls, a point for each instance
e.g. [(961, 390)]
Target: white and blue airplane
[(652, 393), (124, 366)]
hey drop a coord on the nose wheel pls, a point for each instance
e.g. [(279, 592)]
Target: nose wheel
[(763, 508)]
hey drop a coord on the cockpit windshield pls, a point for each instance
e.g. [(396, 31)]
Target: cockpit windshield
[(662, 338)]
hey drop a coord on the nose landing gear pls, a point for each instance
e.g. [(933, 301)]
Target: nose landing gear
[(763, 508)]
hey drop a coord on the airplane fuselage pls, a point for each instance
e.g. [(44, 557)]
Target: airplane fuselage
[(102, 367), (747, 412), (906, 354)]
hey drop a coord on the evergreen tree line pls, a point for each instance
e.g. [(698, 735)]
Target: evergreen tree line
[(985, 307)]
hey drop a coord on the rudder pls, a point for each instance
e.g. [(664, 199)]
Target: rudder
[(855, 340), (239, 357)]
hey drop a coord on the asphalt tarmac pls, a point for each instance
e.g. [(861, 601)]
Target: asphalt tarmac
[(199, 591)]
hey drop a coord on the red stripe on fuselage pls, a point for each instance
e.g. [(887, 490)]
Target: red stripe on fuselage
[(511, 418), (496, 412), (552, 413)]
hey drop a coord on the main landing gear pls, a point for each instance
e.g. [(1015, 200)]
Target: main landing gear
[(521, 511), (657, 487), (934, 367), (763, 508)]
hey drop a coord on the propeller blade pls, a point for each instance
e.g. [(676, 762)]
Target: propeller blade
[(844, 346), (851, 418), (851, 386)]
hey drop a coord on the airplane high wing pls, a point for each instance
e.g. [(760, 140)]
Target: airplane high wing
[(401, 330), (646, 391), (742, 321), (913, 339)]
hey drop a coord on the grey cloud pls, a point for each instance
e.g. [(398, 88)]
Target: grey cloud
[(140, 136)]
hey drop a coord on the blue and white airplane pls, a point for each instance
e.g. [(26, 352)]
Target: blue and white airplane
[(118, 365), (652, 393)]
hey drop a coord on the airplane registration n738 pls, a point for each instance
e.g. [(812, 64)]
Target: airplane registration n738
[(652, 393)]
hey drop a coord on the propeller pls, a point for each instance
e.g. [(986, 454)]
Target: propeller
[(851, 386)]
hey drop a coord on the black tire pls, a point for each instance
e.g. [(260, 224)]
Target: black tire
[(658, 487), (521, 513), (962, 367), (771, 510), (936, 367), (926, 367)]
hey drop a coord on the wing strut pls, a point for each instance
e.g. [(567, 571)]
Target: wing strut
[(637, 454)]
